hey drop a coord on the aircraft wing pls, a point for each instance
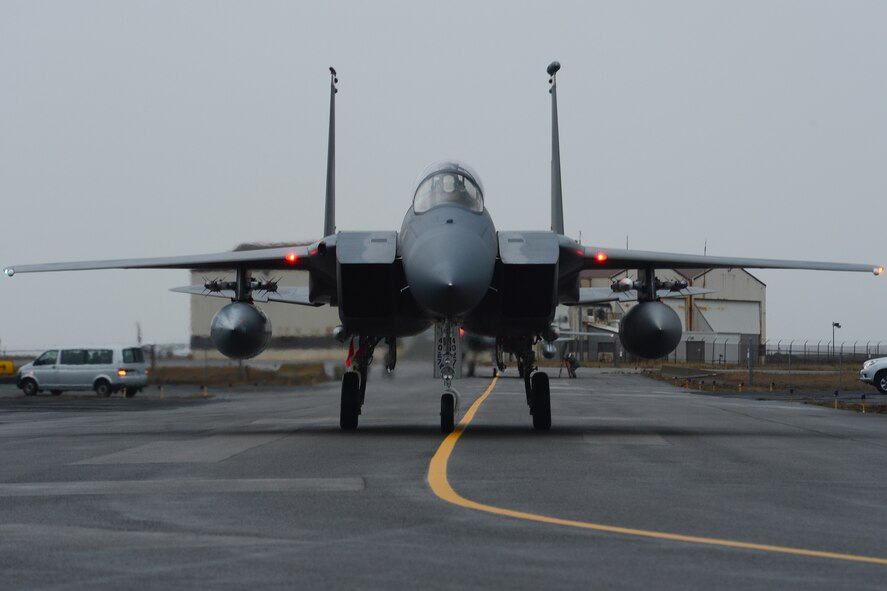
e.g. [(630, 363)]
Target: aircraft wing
[(617, 258), (289, 257), (599, 295), (287, 295)]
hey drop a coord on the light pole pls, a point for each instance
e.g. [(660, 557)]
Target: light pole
[(840, 364), (834, 326)]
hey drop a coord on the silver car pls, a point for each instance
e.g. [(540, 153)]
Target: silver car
[(874, 372), (103, 369)]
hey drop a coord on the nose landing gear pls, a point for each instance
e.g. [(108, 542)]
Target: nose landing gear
[(447, 359)]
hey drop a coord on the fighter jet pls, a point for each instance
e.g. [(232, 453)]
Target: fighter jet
[(448, 267)]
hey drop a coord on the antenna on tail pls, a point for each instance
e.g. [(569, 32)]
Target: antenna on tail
[(557, 198), (329, 217)]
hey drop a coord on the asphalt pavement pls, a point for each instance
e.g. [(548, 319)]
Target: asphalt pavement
[(638, 485)]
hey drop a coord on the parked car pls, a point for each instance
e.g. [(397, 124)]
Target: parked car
[(103, 369), (874, 372)]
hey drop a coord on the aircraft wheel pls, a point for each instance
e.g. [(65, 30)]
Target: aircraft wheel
[(541, 402), (881, 382), (350, 404), (447, 413), (29, 387)]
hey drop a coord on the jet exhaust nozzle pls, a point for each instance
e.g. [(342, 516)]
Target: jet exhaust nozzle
[(650, 330), (240, 330)]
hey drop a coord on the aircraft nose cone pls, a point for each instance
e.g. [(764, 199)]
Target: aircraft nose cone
[(448, 277)]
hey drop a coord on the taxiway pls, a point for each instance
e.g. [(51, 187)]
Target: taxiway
[(638, 485)]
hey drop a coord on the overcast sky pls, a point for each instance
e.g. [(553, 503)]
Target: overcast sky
[(132, 129)]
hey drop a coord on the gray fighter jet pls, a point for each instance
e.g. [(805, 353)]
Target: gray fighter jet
[(448, 267)]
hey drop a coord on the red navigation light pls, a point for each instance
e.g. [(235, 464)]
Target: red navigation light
[(291, 257), (461, 332), (580, 252), (600, 257)]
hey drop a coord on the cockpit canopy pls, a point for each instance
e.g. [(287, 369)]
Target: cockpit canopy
[(448, 183)]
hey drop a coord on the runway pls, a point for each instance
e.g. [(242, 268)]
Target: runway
[(637, 485)]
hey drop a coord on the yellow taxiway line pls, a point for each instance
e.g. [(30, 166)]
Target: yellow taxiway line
[(437, 479)]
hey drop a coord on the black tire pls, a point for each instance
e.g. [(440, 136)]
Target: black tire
[(447, 413), (29, 387), (350, 403), (130, 392), (102, 389), (55, 392), (541, 402), (881, 382), (520, 369)]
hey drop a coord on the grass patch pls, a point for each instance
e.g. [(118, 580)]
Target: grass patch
[(291, 374)]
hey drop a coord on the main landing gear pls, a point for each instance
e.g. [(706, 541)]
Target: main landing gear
[(537, 389), (354, 382)]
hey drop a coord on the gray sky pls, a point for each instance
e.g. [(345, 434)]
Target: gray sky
[(133, 129)]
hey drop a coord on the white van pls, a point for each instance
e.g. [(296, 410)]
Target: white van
[(103, 369)]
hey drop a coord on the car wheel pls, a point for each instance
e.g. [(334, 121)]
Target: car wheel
[(29, 387), (102, 389), (55, 392), (881, 382)]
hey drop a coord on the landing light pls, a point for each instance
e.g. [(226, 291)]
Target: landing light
[(879, 270), (291, 257), (121, 372), (600, 257)]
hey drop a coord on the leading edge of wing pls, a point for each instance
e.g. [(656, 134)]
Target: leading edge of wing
[(617, 258), (288, 257)]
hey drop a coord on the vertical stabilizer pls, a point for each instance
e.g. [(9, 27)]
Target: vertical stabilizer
[(329, 217), (557, 199)]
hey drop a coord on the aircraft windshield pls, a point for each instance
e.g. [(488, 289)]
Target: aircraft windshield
[(451, 185)]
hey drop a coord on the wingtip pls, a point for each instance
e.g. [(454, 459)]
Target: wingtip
[(9, 271), (878, 270)]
